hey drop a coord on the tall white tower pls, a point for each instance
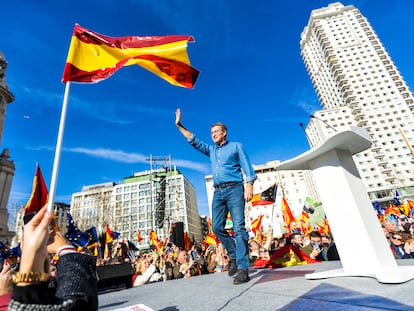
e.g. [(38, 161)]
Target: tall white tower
[(357, 83)]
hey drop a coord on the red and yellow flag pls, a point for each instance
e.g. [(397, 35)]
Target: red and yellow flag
[(211, 239), (287, 213), (109, 236), (304, 217), (154, 240), (139, 236), (40, 194), (93, 57), (256, 224)]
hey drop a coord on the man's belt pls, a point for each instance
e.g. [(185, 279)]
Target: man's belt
[(226, 184)]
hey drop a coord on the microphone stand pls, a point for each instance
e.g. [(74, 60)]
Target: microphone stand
[(324, 122), (307, 137)]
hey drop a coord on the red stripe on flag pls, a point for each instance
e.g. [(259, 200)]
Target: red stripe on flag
[(126, 42)]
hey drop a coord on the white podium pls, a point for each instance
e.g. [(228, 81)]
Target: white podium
[(359, 238)]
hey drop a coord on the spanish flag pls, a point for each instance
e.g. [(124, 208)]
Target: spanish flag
[(287, 213), (211, 239), (139, 236), (40, 194), (93, 57), (255, 225), (109, 235)]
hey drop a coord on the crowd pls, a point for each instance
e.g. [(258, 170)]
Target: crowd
[(55, 275)]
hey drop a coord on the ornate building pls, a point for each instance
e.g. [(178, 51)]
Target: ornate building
[(7, 167)]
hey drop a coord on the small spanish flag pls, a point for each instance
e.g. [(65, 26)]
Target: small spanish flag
[(40, 194)]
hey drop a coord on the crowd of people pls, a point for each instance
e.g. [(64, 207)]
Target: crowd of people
[(42, 279)]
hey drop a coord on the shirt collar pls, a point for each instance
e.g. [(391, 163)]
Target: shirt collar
[(223, 144)]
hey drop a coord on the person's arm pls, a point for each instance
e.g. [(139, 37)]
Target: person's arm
[(249, 172), (34, 257), (144, 278), (31, 281), (6, 283), (186, 133)]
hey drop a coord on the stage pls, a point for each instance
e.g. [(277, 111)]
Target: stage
[(269, 289)]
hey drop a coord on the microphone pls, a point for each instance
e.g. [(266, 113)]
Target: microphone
[(306, 134), (324, 122)]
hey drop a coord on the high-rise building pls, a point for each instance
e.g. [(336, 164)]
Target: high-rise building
[(358, 84), (148, 200)]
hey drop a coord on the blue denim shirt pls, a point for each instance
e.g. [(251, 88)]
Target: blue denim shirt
[(227, 161)]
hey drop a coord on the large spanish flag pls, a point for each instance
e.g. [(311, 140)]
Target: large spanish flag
[(93, 57), (40, 194)]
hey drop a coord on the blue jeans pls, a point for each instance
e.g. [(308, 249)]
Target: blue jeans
[(231, 199)]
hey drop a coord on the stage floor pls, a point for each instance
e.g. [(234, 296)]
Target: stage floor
[(269, 289)]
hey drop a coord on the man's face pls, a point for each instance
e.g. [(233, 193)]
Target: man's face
[(298, 239), (218, 135)]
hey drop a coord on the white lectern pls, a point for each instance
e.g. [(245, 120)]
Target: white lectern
[(360, 240)]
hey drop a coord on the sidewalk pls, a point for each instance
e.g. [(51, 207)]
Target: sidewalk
[(269, 289)]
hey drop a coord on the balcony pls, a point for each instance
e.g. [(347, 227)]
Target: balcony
[(375, 148), (359, 116), (382, 162), (390, 178), (356, 110)]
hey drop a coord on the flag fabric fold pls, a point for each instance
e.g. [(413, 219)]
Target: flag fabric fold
[(289, 255), (266, 197), (255, 225), (93, 57), (93, 239), (287, 213), (139, 236), (40, 194), (111, 235), (73, 234), (309, 206), (211, 239)]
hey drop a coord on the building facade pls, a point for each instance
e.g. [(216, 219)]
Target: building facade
[(295, 186), (358, 84), (59, 210), (7, 166), (148, 200)]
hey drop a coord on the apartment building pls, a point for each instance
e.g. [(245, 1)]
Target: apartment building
[(358, 84), (148, 200)]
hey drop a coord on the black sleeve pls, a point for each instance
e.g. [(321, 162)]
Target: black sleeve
[(76, 281), (37, 293)]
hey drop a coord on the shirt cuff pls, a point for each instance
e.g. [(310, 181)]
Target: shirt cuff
[(66, 249), (190, 140)]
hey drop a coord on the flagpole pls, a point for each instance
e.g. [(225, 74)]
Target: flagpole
[(58, 149)]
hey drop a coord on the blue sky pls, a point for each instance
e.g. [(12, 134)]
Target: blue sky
[(252, 78)]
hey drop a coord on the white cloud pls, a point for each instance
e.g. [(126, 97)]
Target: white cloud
[(125, 157)]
